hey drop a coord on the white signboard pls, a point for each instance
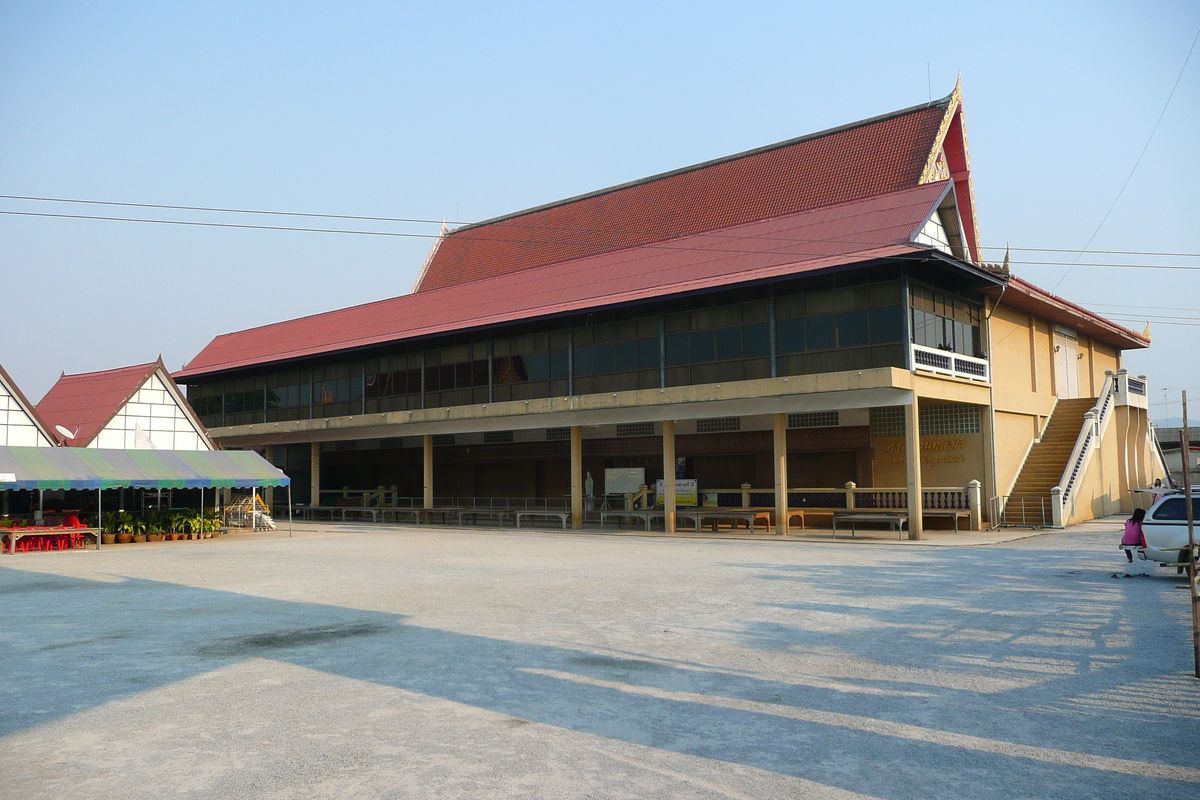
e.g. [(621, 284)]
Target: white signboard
[(8, 477), (685, 492), (626, 480)]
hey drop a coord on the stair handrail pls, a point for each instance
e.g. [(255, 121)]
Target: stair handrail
[(1162, 457), (1097, 420)]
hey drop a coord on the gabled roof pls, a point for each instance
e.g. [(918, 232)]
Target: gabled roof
[(88, 401), (30, 410), (858, 231), (872, 157)]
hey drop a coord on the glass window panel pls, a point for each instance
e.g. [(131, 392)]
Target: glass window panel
[(789, 307), (537, 365), (558, 365), (678, 351), (852, 329), (887, 324), (462, 375), (479, 372), (647, 328), (703, 346), (756, 340), (432, 384), (585, 360), (885, 294), (789, 335), (678, 323), (509, 369), (625, 356), (648, 353), (820, 332), (758, 311), (728, 343)]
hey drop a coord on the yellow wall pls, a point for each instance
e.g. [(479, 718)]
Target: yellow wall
[(1013, 433)]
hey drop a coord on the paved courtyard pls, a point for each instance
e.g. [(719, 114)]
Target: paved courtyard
[(359, 662)]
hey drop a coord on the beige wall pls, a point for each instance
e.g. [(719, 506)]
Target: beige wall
[(1014, 434), (945, 460)]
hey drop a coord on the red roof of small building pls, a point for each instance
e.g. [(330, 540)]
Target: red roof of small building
[(864, 159), (89, 400), (856, 231)]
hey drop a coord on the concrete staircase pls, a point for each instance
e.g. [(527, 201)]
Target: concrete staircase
[(1029, 502)]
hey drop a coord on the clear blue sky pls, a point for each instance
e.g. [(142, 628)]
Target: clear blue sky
[(466, 111)]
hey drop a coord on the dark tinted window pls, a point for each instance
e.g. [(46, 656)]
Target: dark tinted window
[(852, 329), (789, 336), (819, 332), (1173, 508)]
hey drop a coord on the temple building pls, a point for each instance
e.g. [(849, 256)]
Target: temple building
[(130, 408), (789, 324)]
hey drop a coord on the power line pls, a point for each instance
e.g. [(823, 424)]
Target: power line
[(1136, 163), (1152, 308), (506, 223), (225, 210), (659, 245)]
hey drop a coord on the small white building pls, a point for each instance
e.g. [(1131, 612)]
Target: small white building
[(131, 408), (20, 425)]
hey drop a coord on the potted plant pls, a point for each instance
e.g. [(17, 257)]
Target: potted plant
[(211, 524), (122, 527), (154, 529), (139, 531)]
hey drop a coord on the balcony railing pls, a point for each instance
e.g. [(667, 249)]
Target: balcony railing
[(944, 362)]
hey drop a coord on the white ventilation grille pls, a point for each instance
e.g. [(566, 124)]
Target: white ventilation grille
[(635, 429), (814, 419), (718, 425)]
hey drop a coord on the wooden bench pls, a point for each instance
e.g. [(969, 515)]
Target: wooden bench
[(499, 514), (894, 521), (417, 514), (715, 515), (952, 513), (647, 516), (565, 516)]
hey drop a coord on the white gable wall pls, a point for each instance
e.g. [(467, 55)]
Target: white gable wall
[(152, 419), (17, 429), (934, 234)]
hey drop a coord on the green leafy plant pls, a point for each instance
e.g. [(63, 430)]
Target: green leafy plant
[(212, 522), (122, 522)]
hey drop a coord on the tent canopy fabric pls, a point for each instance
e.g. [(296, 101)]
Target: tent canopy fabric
[(90, 468)]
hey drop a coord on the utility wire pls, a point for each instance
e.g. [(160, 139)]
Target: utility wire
[(505, 223), (224, 210), (467, 235), (1136, 163)]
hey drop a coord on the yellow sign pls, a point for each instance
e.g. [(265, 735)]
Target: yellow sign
[(685, 492)]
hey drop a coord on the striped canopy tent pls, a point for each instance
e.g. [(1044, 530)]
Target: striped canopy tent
[(87, 468), (49, 468)]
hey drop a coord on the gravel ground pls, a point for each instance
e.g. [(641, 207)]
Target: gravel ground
[(357, 662)]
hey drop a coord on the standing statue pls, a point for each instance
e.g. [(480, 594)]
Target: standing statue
[(588, 486)]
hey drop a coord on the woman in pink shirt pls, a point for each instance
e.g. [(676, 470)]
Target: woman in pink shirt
[(1133, 533)]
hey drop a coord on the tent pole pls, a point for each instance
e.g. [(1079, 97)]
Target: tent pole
[(99, 516), (289, 511)]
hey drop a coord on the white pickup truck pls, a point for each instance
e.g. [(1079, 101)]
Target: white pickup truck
[(1165, 529)]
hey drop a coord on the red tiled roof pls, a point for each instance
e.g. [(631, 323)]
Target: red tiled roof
[(875, 227), (89, 400), (863, 159), (1022, 294)]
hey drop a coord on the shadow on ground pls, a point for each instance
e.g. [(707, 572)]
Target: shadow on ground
[(1001, 670)]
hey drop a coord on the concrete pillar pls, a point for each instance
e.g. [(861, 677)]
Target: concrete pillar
[(576, 477), (781, 476), (746, 495), (668, 435), (987, 418), (975, 505), (427, 462), (850, 487), (315, 466), (912, 451)]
